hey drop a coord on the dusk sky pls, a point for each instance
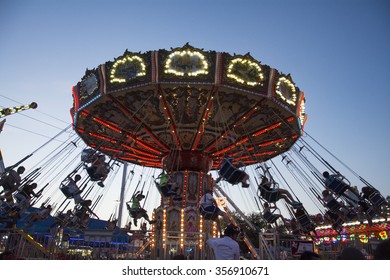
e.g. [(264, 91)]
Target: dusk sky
[(336, 51)]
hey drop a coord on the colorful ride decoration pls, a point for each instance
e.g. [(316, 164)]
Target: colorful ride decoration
[(363, 232)]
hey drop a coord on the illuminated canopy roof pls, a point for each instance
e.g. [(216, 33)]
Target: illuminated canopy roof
[(142, 107)]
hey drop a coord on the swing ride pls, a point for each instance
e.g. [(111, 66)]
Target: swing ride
[(191, 114), (183, 111)]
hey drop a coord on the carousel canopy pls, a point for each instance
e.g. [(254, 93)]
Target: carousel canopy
[(187, 108)]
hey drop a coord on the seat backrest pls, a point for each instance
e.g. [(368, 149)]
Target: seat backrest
[(333, 205), (270, 217), (304, 220), (226, 169), (377, 199), (207, 215), (163, 189), (262, 190), (65, 190), (236, 177), (271, 196), (371, 212), (337, 185)]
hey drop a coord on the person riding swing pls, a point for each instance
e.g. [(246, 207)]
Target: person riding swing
[(70, 189), (96, 166), (270, 216), (166, 187), (135, 209), (269, 191), (232, 174), (209, 209)]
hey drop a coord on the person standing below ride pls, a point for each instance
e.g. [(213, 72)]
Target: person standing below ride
[(144, 228), (208, 205), (274, 194), (226, 247), (136, 211), (11, 182)]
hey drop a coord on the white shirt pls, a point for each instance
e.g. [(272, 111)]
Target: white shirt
[(224, 248)]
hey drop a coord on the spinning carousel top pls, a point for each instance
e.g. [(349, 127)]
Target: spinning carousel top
[(187, 108)]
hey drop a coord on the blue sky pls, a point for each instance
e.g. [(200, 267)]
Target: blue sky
[(336, 51)]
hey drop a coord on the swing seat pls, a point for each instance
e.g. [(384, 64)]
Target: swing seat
[(270, 196), (208, 215), (5, 208), (231, 173), (237, 177), (304, 221), (163, 189), (377, 199), (93, 175), (133, 213), (333, 205), (337, 219), (270, 218), (65, 190), (371, 212), (338, 222), (337, 186), (351, 214)]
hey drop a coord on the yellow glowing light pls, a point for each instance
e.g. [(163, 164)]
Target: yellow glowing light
[(186, 62), (363, 238), (302, 113), (133, 65), (284, 84), (164, 229), (383, 235), (182, 228), (245, 71)]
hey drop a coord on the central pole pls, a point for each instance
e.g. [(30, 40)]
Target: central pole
[(122, 195)]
